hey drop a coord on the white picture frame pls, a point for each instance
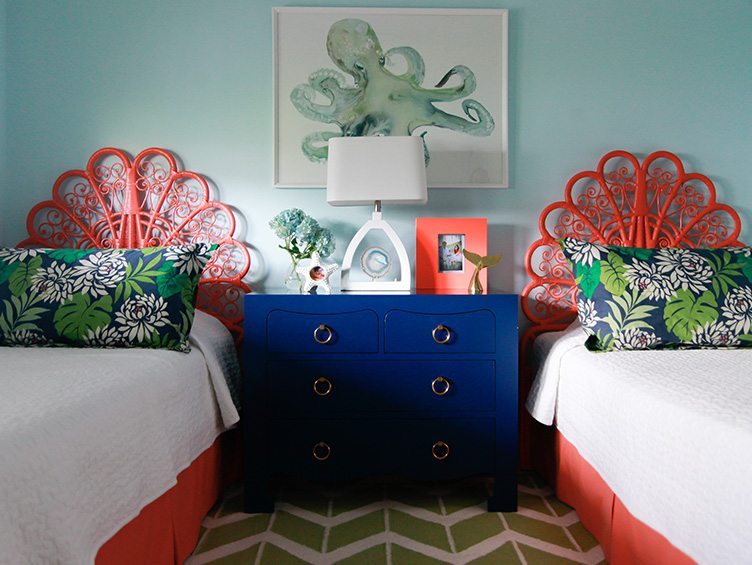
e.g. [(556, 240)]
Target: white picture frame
[(444, 39)]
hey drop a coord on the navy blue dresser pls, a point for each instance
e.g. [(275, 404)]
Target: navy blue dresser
[(343, 386)]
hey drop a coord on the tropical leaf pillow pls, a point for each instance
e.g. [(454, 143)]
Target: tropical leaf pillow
[(100, 297), (634, 298)]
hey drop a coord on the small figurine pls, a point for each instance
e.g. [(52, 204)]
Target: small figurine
[(316, 274), (480, 263)]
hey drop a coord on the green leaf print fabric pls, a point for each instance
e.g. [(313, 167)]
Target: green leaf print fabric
[(633, 298), (100, 297)]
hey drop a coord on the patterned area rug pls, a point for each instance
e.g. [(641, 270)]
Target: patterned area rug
[(396, 522)]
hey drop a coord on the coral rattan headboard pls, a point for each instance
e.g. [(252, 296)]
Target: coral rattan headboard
[(623, 202), (146, 202)]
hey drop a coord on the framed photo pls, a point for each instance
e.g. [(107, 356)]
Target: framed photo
[(336, 72), (439, 262)]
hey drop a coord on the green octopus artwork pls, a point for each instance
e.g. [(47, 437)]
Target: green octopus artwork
[(381, 102)]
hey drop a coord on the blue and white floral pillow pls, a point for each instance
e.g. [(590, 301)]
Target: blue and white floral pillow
[(634, 298), (100, 297)]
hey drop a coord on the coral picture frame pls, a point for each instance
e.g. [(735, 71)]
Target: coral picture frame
[(337, 72), (439, 262)]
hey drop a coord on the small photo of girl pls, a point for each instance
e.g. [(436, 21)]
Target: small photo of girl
[(450, 253)]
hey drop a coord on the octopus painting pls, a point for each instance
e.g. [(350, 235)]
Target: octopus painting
[(381, 102)]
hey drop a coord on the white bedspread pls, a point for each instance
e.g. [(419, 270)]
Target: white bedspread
[(669, 431), (88, 437)]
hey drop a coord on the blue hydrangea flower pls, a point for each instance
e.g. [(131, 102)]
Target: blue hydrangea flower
[(301, 234)]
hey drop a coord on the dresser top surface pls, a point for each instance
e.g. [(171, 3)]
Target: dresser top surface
[(281, 291)]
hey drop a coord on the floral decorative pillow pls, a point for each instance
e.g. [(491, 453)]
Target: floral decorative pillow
[(634, 298), (100, 297)]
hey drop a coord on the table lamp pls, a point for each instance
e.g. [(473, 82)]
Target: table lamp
[(376, 170)]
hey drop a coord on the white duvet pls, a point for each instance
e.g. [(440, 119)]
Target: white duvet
[(669, 431), (88, 437)]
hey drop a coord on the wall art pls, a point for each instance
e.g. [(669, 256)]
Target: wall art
[(437, 73)]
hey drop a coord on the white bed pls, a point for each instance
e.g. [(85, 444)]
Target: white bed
[(669, 431), (86, 441), (651, 447), (114, 455)]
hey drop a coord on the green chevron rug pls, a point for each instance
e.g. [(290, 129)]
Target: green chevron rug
[(396, 522)]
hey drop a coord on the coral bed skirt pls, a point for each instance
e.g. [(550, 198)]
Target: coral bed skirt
[(625, 539), (166, 531)]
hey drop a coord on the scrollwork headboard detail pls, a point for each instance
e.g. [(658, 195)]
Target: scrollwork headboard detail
[(147, 202), (623, 202)]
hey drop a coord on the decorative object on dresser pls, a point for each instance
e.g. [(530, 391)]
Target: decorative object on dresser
[(480, 263), (373, 170), (351, 385), (439, 261), (316, 274), (302, 236), (347, 72)]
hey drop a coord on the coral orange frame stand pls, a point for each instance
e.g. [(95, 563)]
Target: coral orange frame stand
[(428, 273)]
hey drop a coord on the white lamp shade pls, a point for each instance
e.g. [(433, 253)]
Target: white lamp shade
[(361, 170)]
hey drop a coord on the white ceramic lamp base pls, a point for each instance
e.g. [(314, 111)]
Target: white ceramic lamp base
[(400, 285)]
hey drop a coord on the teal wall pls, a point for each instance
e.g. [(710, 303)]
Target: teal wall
[(194, 76)]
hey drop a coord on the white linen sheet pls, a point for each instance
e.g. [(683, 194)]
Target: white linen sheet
[(669, 431), (88, 437)]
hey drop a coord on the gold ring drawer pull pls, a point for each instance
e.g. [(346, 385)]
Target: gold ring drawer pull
[(440, 386), (322, 386), (440, 330), (440, 450), (322, 334), (321, 451)]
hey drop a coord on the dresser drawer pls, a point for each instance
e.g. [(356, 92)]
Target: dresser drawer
[(449, 332), (425, 449), (340, 332), (323, 386)]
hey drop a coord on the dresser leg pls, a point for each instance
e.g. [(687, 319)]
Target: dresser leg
[(503, 503), (504, 496), (257, 501)]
